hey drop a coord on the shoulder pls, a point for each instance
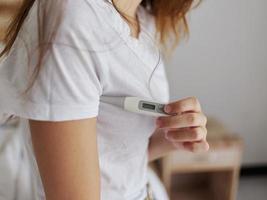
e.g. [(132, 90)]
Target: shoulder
[(81, 13), (78, 23), (84, 25)]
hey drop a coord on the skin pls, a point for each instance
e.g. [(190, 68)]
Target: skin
[(129, 9), (184, 130), (67, 158), (66, 152)]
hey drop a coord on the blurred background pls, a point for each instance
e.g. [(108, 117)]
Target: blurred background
[(223, 64)]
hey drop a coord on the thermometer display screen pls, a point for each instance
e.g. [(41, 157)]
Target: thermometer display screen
[(149, 106)]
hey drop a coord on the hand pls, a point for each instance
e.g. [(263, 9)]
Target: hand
[(186, 128)]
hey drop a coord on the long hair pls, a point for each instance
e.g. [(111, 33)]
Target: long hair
[(47, 29), (170, 19)]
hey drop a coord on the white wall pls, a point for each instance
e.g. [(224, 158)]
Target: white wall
[(224, 64)]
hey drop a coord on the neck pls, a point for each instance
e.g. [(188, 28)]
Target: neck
[(129, 7)]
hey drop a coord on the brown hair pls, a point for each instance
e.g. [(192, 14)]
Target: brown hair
[(170, 18), (47, 29), (171, 21)]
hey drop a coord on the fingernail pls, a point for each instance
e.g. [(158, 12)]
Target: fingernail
[(167, 135), (177, 145), (167, 108)]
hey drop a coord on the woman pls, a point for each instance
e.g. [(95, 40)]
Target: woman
[(70, 53)]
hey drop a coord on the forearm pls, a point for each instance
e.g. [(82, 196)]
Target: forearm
[(159, 146)]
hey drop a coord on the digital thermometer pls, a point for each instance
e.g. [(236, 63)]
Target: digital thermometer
[(137, 105)]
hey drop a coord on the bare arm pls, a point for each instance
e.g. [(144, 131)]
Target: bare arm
[(66, 154)]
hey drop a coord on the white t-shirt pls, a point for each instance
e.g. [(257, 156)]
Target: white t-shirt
[(92, 55)]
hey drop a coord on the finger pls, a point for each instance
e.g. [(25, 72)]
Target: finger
[(187, 135), (196, 147), (178, 145), (184, 105), (182, 121)]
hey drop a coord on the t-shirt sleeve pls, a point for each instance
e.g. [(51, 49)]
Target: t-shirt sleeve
[(67, 88)]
